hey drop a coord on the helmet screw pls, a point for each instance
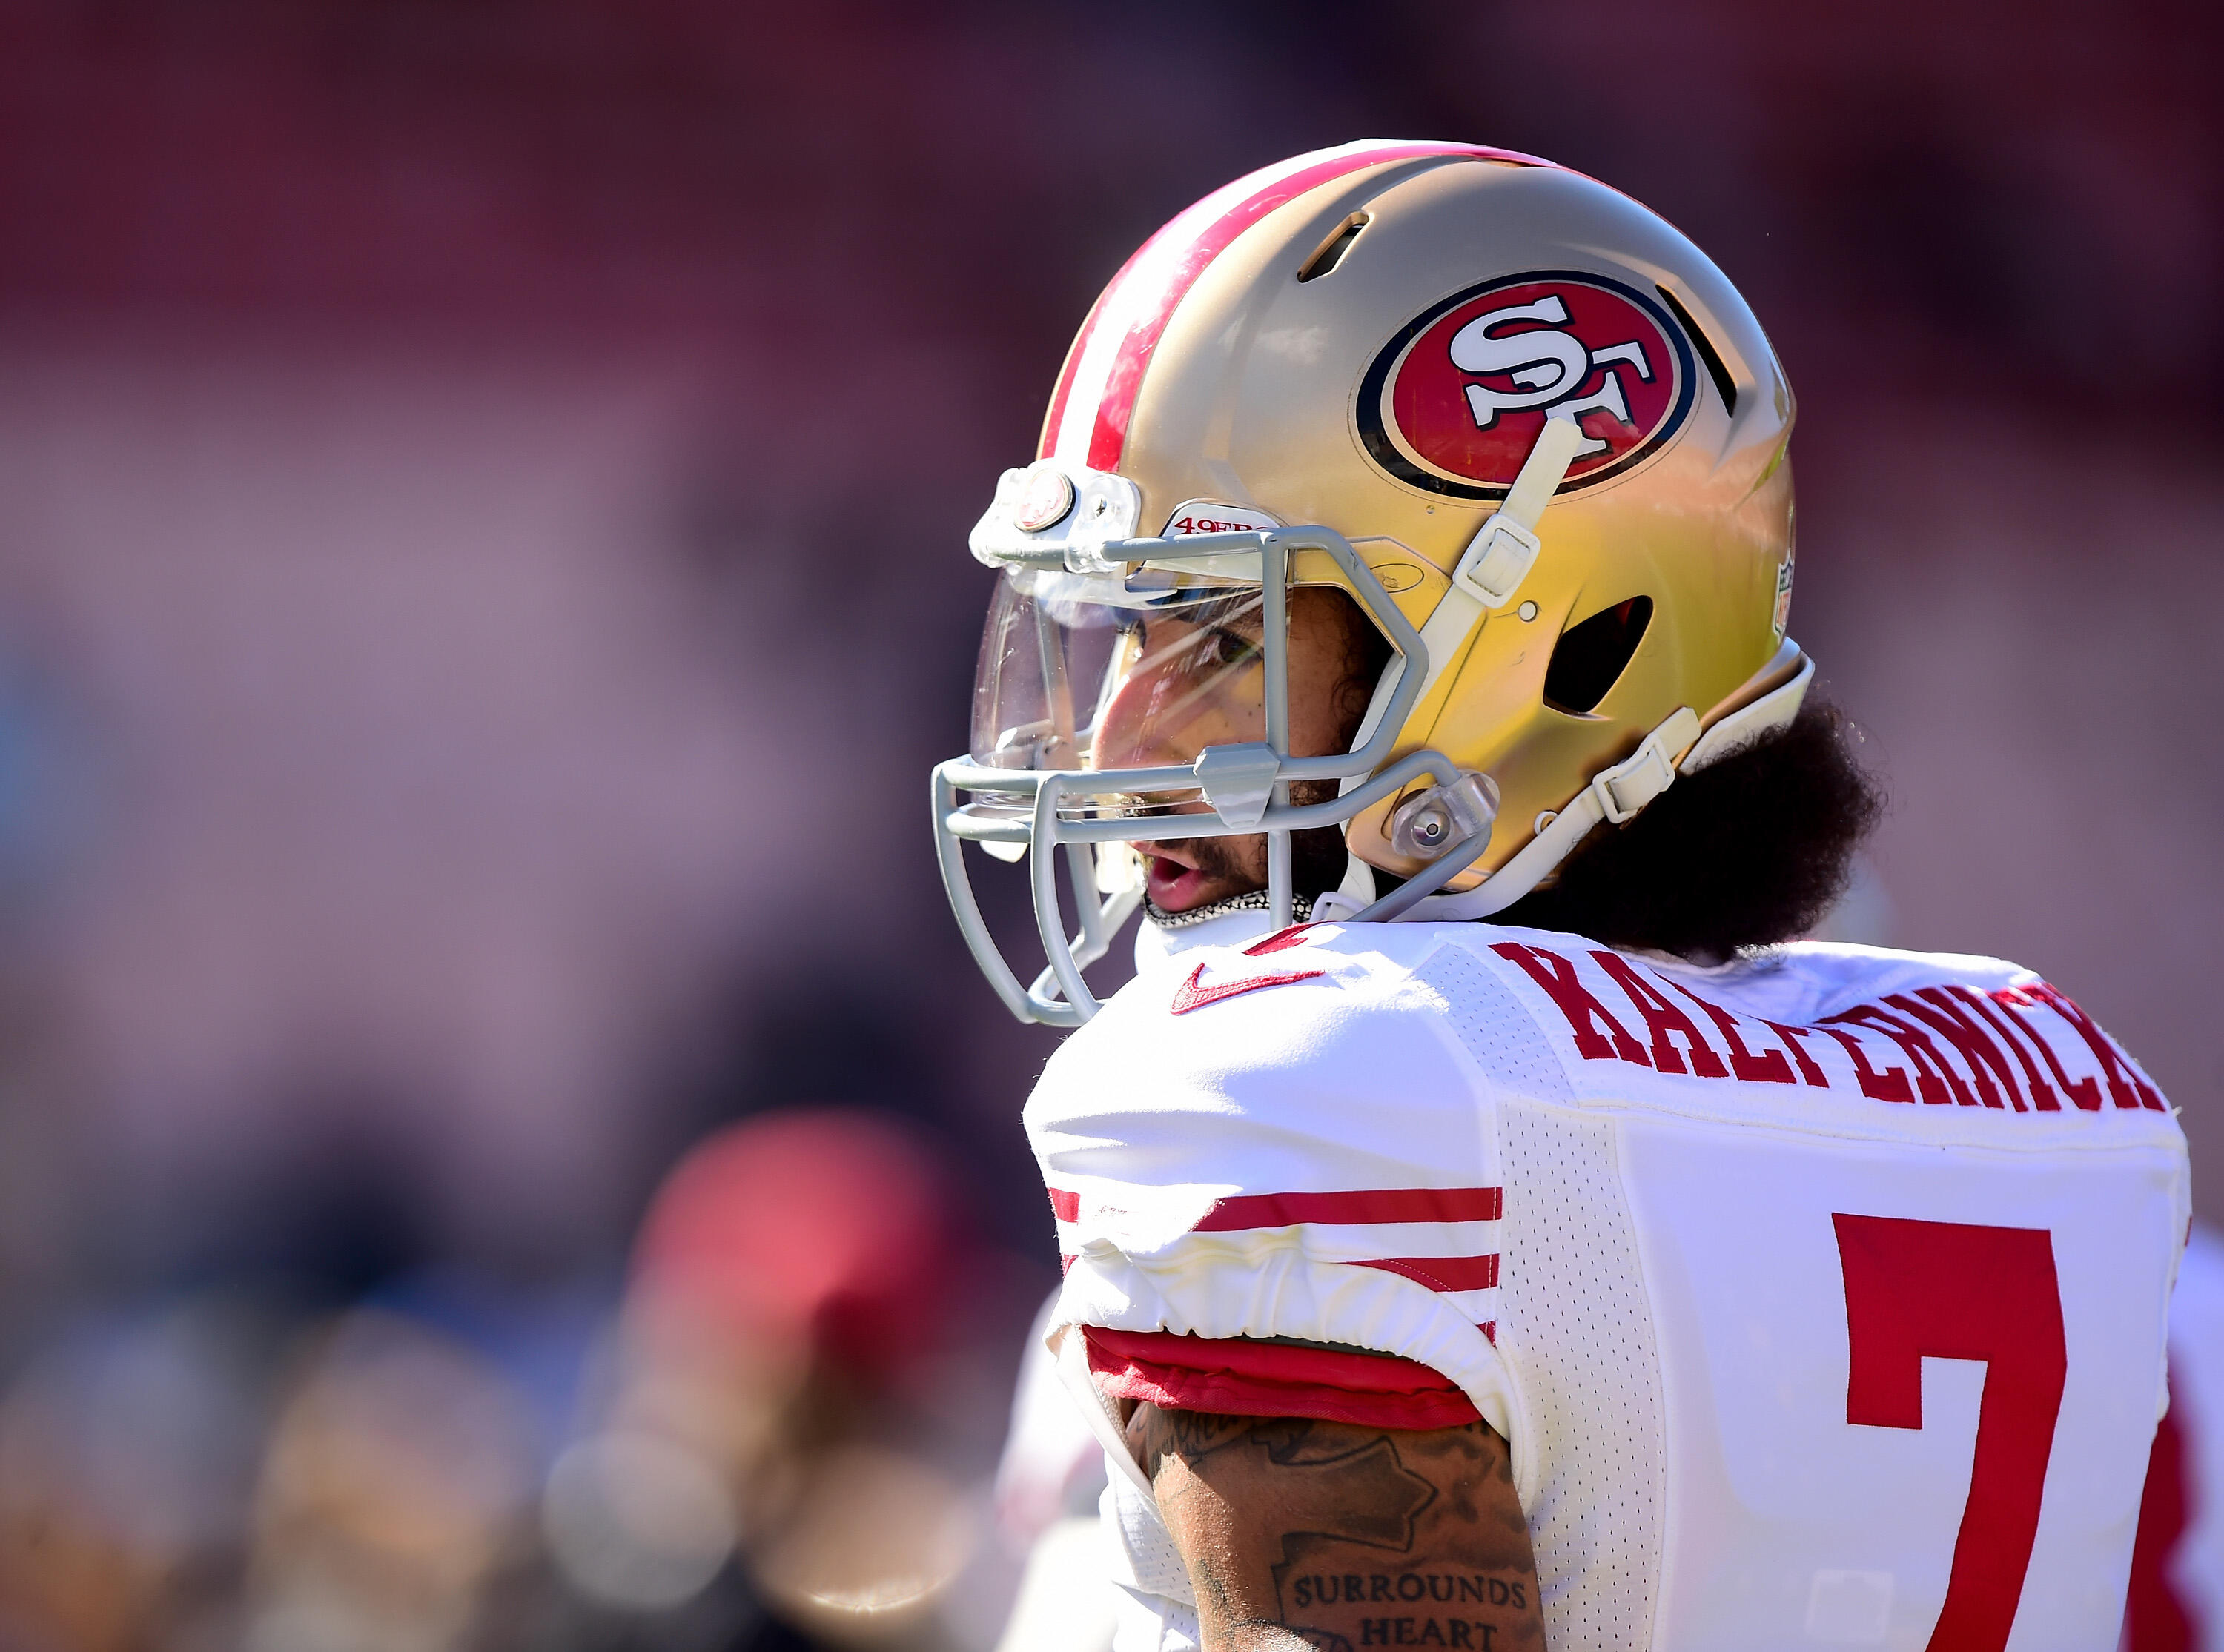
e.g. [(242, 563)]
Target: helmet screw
[(1426, 825)]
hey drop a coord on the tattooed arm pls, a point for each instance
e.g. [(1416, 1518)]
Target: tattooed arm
[(1299, 1533)]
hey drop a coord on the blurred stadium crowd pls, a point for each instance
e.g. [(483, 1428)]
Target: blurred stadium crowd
[(500, 1145), (445, 1461)]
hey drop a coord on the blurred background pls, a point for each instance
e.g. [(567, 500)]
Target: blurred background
[(499, 1143)]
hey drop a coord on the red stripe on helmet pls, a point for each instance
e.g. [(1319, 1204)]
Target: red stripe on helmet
[(1056, 417), (1110, 438)]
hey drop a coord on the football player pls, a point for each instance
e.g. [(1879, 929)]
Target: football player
[(1486, 1226)]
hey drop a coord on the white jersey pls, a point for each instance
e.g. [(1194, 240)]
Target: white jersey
[(1820, 1295)]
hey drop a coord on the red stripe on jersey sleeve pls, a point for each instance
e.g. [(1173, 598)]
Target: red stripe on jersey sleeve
[(1441, 1272), (1065, 1204), (1346, 1209), (1274, 1379)]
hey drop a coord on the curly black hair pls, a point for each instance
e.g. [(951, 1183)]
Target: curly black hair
[(1751, 850)]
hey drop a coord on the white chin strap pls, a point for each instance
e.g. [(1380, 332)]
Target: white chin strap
[(1488, 574), (1490, 570), (1617, 794)]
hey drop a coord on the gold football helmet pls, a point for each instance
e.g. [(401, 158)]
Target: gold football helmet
[(1520, 419)]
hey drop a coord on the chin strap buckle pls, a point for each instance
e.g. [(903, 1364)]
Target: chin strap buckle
[(1626, 787), (1505, 548), (1497, 562)]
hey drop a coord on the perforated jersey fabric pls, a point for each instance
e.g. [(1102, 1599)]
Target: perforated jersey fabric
[(1152, 1565), (1574, 1319), (1491, 1024), (1158, 1612), (1641, 1214), (1144, 1623)]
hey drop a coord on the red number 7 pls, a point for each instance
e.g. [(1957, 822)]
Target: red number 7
[(1956, 1292)]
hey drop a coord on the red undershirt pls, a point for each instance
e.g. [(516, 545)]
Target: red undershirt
[(1275, 1379)]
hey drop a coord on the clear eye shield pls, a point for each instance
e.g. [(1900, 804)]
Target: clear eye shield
[(1133, 690), (1089, 671)]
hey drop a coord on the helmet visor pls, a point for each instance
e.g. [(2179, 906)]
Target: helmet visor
[(1079, 671)]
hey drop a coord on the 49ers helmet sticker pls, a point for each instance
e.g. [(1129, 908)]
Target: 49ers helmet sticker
[(1454, 402)]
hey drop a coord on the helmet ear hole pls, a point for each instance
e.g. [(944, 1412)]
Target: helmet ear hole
[(1591, 656), (1330, 252)]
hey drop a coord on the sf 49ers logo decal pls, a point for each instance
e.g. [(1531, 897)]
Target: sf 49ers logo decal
[(1454, 402), (1212, 516)]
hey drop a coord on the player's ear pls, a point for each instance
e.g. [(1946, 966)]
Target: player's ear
[(1362, 651)]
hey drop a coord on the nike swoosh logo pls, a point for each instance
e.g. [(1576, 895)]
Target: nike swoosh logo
[(1193, 994)]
